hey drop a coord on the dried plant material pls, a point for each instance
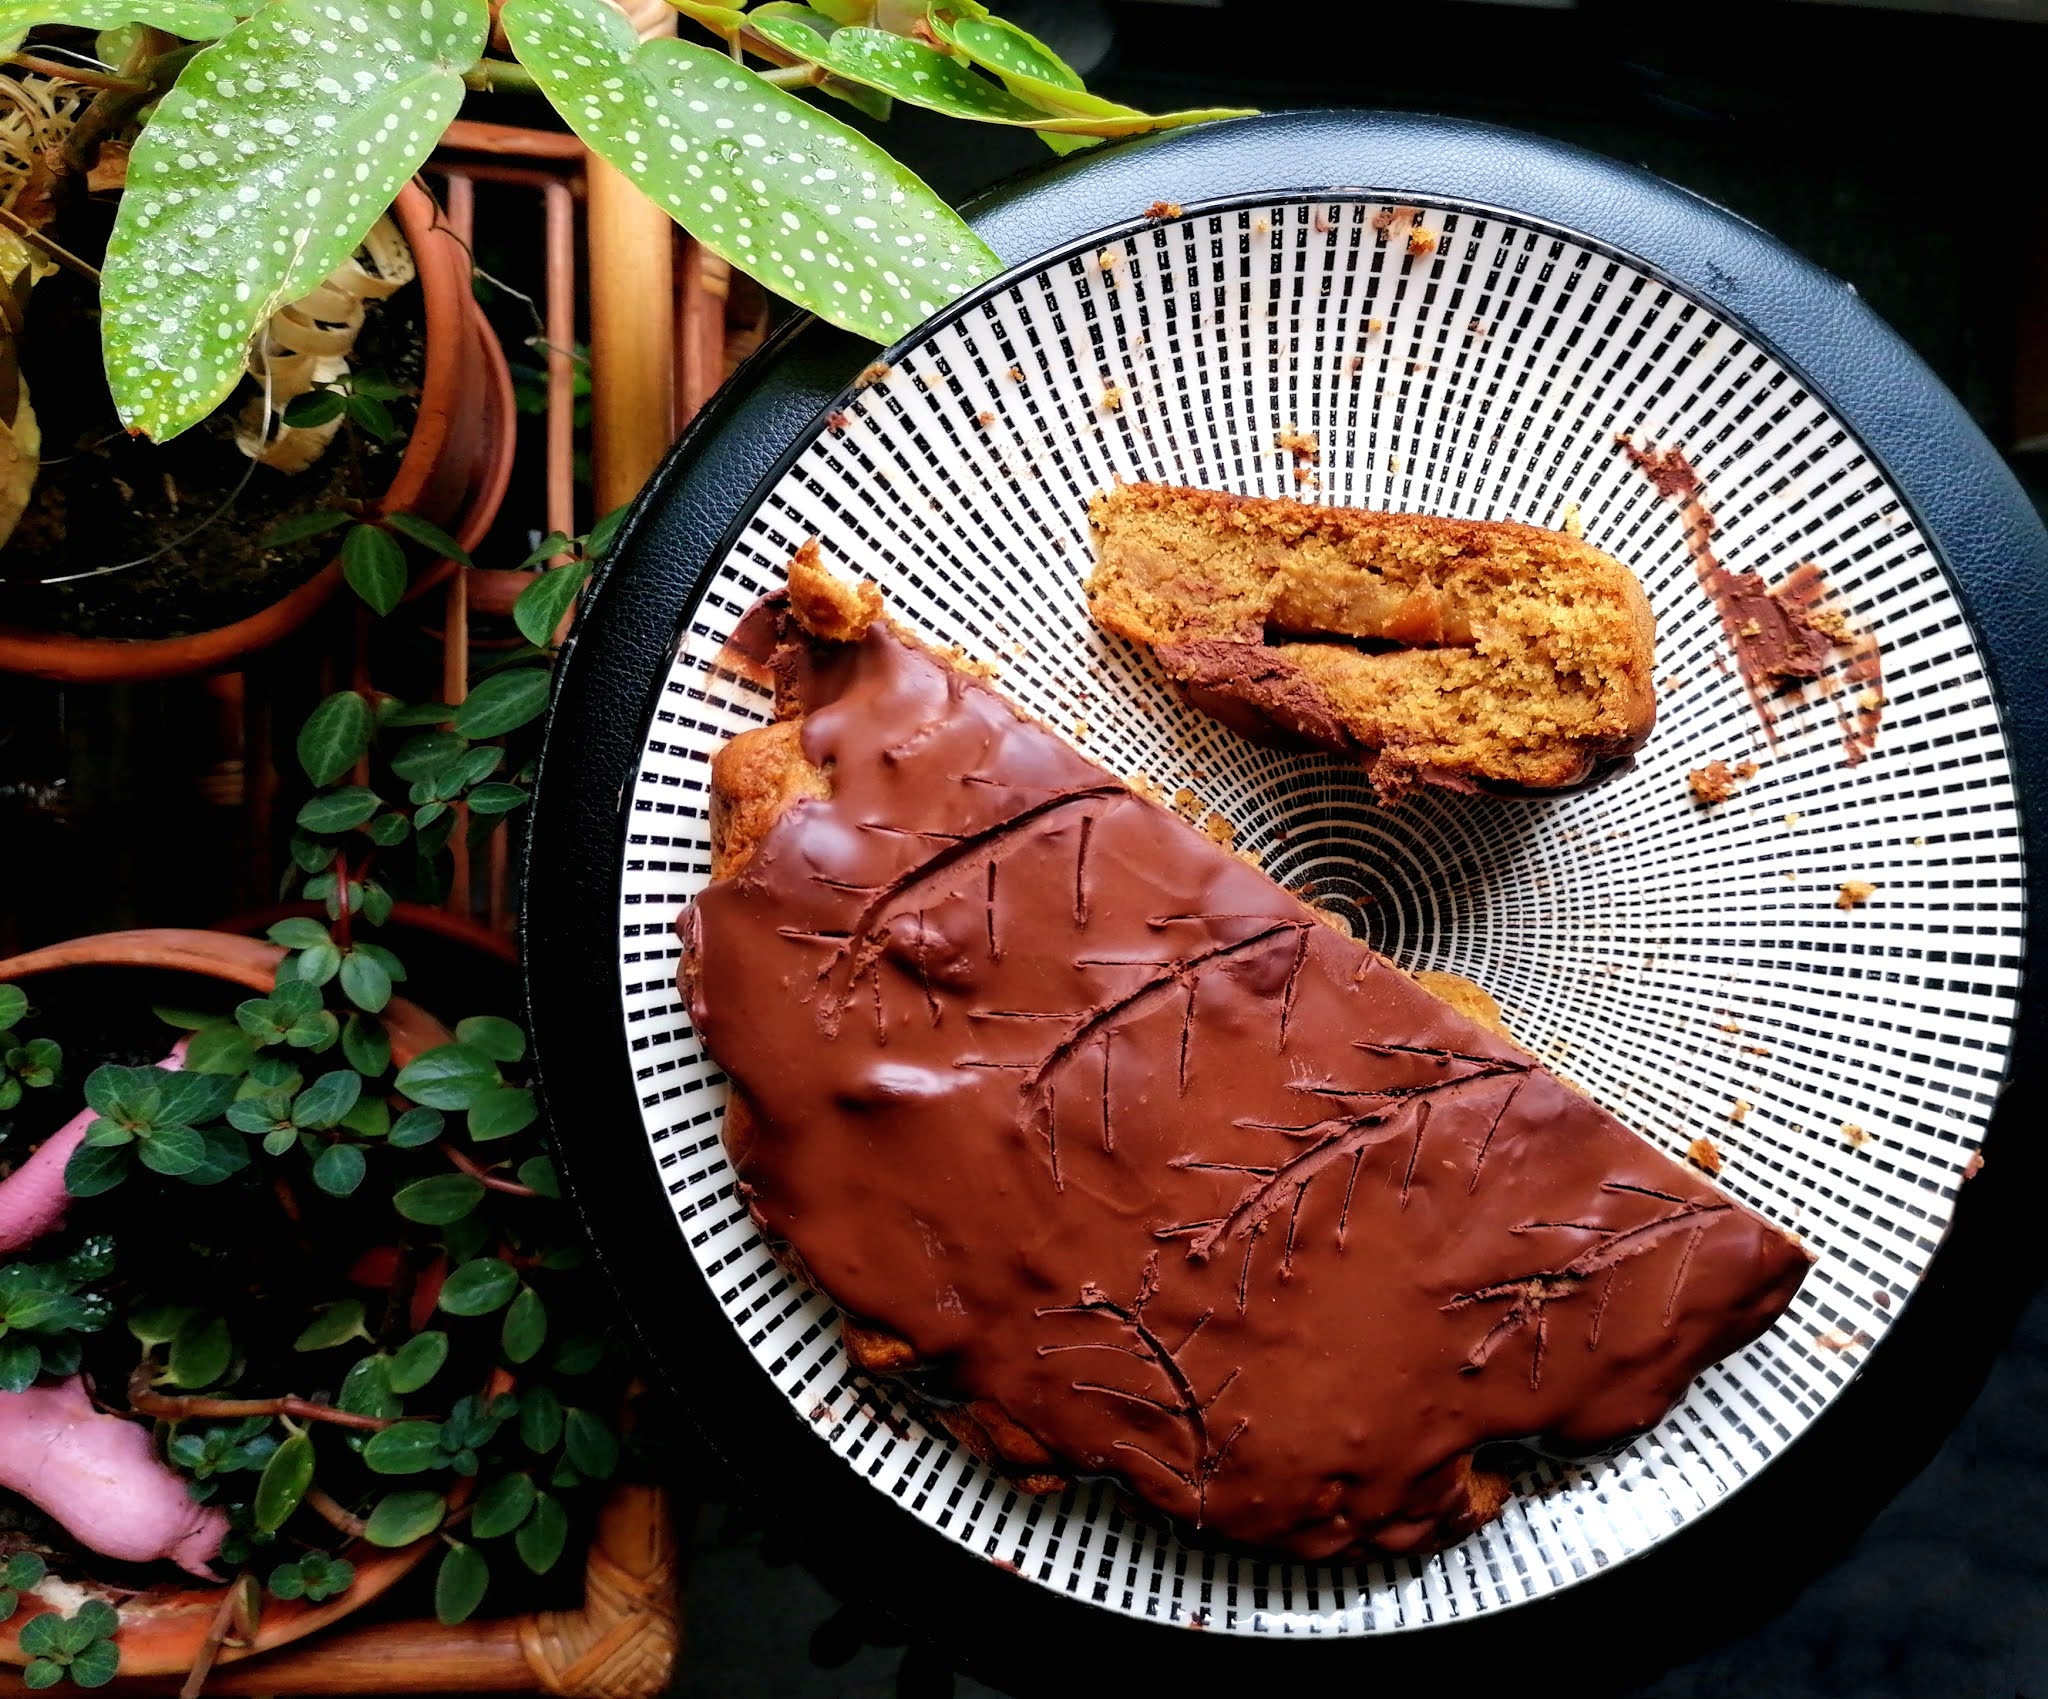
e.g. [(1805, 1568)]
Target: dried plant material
[(1705, 1155), (836, 421), (1855, 1135), (108, 174), (1421, 242), (879, 372), (1740, 1112), (1974, 1166), (1015, 374), (1853, 892), (308, 343), (1163, 210), (1389, 216), (1841, 1339)]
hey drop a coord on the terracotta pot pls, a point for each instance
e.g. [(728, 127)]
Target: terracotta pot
[(456, 465), (163, 1629)]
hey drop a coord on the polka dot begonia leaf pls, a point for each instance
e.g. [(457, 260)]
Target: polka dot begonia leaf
[(262, 169), (194, 20), (816, 211)]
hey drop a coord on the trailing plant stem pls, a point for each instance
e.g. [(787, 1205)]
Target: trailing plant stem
[(188, 1407)]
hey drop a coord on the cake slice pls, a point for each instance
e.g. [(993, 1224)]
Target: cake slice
[(1454, 651), (1146, 1170)]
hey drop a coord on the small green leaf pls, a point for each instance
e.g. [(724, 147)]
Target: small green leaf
[(303, 525), (450, 1076), (541, 1537), (328, 1098), (93, 1169), (388, 829), (371, 559), (366, 1045), (338, 811), (315, 966), (502, 1506), (404, 1448), (887, 252), (42, 1634), (238, 213), (425, 753), (372, 416), (14, 1005), (310, 411), (460, 1583), (500, 1113), (336, 734), (172, 1151), (332, 1324), (439, 1199), (589, 1444), (20, 1362), (284, 1483), (401, 1518), (418, 1360), (200, 1353), (366, 1389), (497, 1038), (428, 535), (503, 702), (158, 1323), (526, 1327), (537, 1173), (25, 1570), (195, 20), (298, 933), (417, 1127), (542, 603), (364, 981), (479, 1286), (602, 533), (190, 1097), (339, 1169), (540, 1420), (487, 800), (41, 1672)]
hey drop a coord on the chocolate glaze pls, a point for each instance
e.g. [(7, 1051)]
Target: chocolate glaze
[(1781, 635), (1205, 1195)]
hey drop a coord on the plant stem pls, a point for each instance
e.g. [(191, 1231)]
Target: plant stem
[(35, 238), (324, 1506), (216, 1635), (476, 1171), (80, 74), (148, 1402), (793, 76), (502, 76), (112, 107)]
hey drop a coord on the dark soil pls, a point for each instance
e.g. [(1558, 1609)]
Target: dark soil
[(105, 497)]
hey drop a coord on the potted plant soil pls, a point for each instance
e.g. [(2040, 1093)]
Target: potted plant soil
[(381, 397), (286, 1307)]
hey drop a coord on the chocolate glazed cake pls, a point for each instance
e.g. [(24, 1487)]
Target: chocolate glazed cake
[(1158, 1175)]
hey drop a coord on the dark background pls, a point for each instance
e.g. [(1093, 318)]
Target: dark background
[(1901, 150)]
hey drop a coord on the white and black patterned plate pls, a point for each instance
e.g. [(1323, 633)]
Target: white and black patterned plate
[(1689, 967)]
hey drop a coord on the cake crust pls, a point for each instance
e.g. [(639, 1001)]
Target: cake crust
[(1456, 652), (1146, 1170)]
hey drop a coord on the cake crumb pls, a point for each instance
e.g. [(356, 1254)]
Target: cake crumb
[(1793, 819), (1704, 1154), (1422, 242), (1727, 1026), (1144, 785), (1260, 226), (1740, 1112), (984, 419), (1112, 398), (1374, 326), (1015, 374), (836, 422), (1853, 892), (1292, 439), (1218, 829), (1855, 1135), (1305, 476), (1080, 728), (873, 374), (1840, 1339), (1716, 781), (1870, 699), (1163, 209), (1108, 259), (1186, 802), (1393, 463), (1974, 1166), (1570, 523)]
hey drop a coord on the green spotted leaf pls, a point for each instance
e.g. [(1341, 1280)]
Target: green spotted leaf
[(195, 20), (259, 173), (815, 211), (907, 69)]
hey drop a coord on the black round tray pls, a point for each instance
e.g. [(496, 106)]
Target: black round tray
[(1726, 1570)]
